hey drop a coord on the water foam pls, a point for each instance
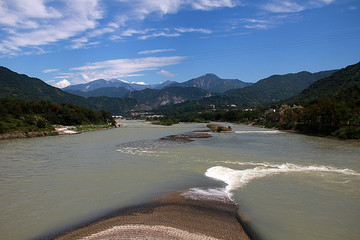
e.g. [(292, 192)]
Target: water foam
[(214, 194), (236, 179), (144, 147)]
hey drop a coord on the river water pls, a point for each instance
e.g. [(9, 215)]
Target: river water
[(289, 186)]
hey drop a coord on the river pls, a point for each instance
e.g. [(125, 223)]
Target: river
[(289, 186)]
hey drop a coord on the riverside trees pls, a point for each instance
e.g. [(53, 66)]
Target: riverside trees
[(32, 115)]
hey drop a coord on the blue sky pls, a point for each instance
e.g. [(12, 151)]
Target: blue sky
[(151, 41)]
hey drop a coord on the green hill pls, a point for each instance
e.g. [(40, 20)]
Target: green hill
[(16, 85), (100, 92), (34, 116), (330, 106), (342, 86), (275, 88), (168, 96), (117, 106)]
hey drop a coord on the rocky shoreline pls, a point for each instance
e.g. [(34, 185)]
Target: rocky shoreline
[(219, 128)]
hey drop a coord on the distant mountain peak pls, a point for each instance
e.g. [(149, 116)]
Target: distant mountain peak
[(212, 83), (210, 75)]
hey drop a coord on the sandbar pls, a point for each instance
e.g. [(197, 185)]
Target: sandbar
[(173, 216)]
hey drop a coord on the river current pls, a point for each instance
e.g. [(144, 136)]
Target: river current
[(289, 186)]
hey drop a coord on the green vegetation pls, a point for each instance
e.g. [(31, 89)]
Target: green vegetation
[(274, 89), (219, 128), (115, 92), (166, 96), (165, 121), (91, 127), (329, 107), (19, 115), (116, 106), (14, 85)]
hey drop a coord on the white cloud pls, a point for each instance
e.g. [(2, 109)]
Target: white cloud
[(140, 9), (35, 23), (62, 84), (120, 68), (156, 51), (210, 4), (159, 34), (51, 70), (140, 83), (29, 9), (82, 42), (352, 8), (131, 32), (99, 32), (166, 73), (291, 6), (29, 26), (284, 7), (327, 1), (265, 22), (201, 30)]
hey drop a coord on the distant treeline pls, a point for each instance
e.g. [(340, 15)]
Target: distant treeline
[(32, 115), (327, 118)]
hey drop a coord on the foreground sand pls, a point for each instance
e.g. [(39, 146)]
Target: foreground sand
[(171, 217)]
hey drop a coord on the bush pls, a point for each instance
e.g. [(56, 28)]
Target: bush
[(41, 123), (348, 132)]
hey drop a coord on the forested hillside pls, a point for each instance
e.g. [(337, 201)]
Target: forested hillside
[(16, 85), (116, 92), (20, 115), (342, 86), (330, 106), (275, 88), (168, 96)]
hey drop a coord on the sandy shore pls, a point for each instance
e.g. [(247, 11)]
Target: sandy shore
[(171, 217)]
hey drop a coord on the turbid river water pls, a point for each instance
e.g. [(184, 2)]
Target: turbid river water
[(289, 186)]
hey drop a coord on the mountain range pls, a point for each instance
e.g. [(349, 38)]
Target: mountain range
[(114, 83), (119, 88), (120, 97)]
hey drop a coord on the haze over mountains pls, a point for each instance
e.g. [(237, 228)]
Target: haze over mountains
[(120, 97), (209, 82), (114, 83)]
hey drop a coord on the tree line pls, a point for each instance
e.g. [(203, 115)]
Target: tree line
[(34, 115)]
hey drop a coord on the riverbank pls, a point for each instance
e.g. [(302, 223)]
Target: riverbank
[(171, 217), (57, 130), (313, 134)]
